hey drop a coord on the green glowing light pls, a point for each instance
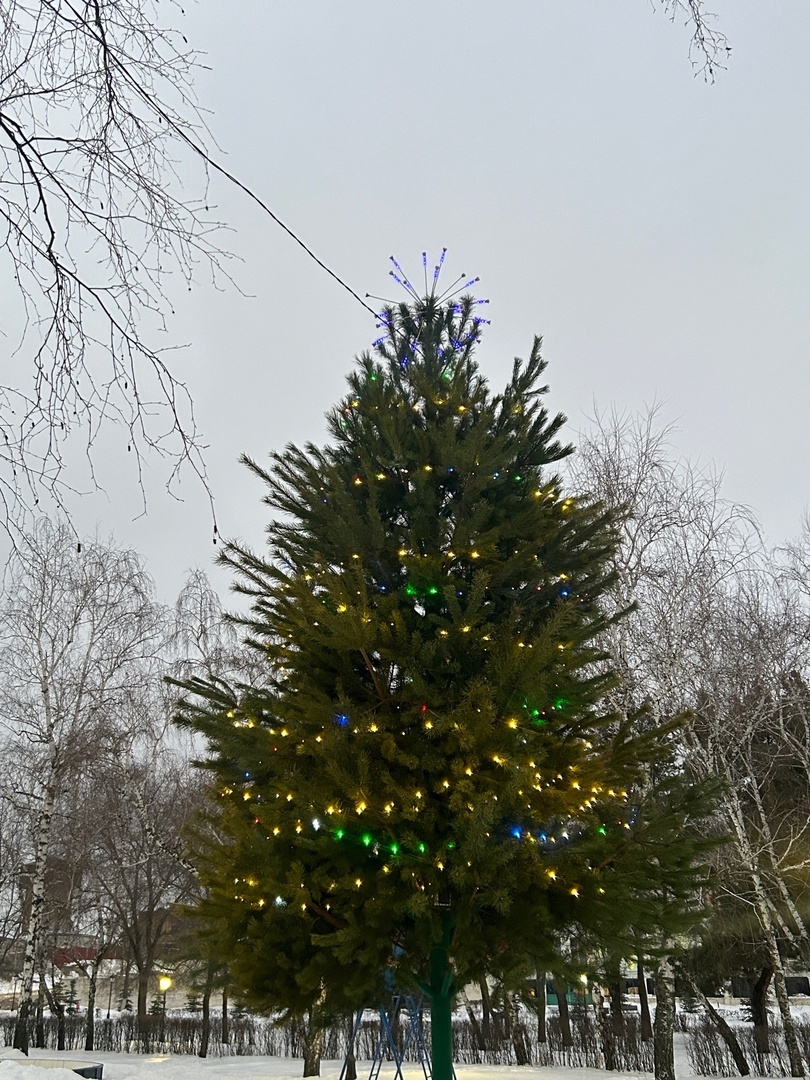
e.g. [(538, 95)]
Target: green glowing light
[(422, 849), (339, 834), (410, 590), (367, 839), (433, 590), (602, 830), (394, 849)]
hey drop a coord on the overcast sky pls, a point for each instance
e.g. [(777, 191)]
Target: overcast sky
[(653, 228)]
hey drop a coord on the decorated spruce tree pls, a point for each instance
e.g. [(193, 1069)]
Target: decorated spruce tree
[(424, 789)]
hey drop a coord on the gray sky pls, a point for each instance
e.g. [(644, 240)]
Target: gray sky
[(654, 229)]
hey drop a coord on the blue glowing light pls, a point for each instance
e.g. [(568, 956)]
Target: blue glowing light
[(341, 719)]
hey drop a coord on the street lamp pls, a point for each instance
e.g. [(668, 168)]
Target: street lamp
[(164, 983)]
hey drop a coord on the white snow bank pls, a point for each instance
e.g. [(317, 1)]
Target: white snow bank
[(13, 1069)]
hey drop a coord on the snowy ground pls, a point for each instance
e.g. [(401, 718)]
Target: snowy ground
[(157, 1067)]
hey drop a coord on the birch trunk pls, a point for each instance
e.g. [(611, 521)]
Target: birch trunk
[(607, 1036), (724, 1030), (788, 1025), (32, 943), (664, 1026)]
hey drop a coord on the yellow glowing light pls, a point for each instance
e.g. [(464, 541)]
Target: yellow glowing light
[(361, 806), (357, 481), (428, 725), (445, 783), (468, 772), (417, 794), (276, 831), (474, 555), (342, 608), (331, 810), (373, 728), (358, 882), (164, 983), (389, 806), (380, 476), (355, 555), (574, 891), (451, 554), (428, 468), (289, 798), (552, 874), (465, 629), (512, 723), (246, 795)]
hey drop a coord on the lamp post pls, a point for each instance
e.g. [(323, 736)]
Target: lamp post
[(164, 983)]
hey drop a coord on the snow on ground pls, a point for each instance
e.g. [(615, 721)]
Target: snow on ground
[(177, 1067)]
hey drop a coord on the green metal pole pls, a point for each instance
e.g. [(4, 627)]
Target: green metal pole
[(441, 1005)]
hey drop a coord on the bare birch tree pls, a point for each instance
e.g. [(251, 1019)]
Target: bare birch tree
[(78, 625), (708, 47), (100, 136), (722, 630)]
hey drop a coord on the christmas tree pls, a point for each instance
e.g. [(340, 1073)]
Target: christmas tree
[(425, 789)]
